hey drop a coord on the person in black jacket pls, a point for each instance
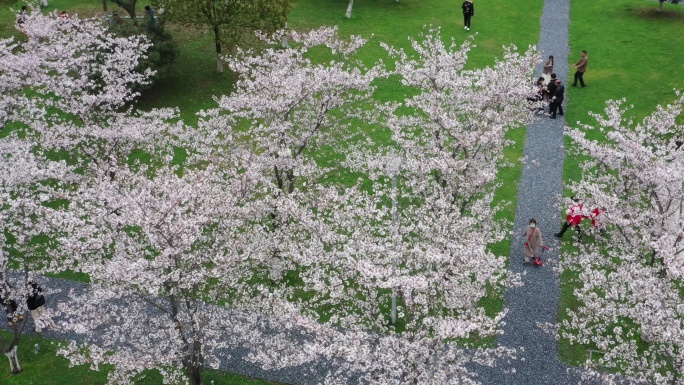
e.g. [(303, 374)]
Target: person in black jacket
[(9, 305), (468, 12), (35, 301), (551, 91), (557, 100)]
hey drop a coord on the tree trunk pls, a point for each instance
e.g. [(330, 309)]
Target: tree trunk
[(217, 39), (104, 7), (660, 7), (283, 40), (13, 359), (129, 6), (349, 8), (197, 362), (194, 373)]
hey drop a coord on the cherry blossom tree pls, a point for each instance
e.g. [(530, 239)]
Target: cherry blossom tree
[(77, 66), (296, 109), (69, 86), (362, 356), (176, 245), (456, 126), (64, 89), (629, 283), (445, 160), (431, 249)]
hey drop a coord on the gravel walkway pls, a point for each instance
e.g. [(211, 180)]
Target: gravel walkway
[(540, 186), (537, 300)]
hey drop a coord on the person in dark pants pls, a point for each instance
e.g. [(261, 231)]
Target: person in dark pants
[(551, 91), (468, 12), (35, 301), (149, 15), (557, 100), (581, 66), (573, 219)]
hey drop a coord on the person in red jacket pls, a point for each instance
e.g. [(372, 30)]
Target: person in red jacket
[(573, 218)]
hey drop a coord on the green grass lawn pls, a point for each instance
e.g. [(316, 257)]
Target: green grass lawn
[(634, 53)]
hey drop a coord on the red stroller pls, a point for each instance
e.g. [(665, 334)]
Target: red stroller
[(537, 259)]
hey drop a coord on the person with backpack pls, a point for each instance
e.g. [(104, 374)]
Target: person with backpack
[(533, 241)]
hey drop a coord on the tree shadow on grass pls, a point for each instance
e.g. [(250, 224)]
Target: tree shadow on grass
[(654, 13)]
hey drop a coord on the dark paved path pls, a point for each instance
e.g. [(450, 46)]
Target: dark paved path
[(540, 186)]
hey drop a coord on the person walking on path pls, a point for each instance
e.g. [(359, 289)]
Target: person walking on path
[(551, 91), (581, 67), (533, 240), (149, 14), (573, 218), (468, 12), (557, 99), (35, 301), (548, 69)]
